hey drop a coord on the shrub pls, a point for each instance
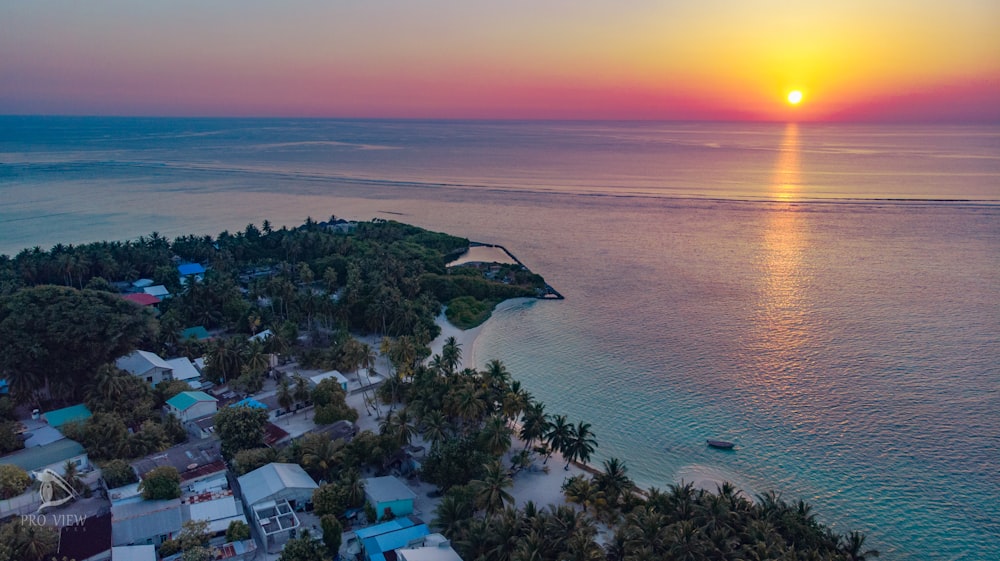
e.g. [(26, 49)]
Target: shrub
[(118, 473), (13, 481), (161, 483)]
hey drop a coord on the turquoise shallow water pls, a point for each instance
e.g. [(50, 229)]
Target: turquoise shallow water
[(824, 296)]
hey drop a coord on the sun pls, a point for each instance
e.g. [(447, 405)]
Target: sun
[(794, 97)]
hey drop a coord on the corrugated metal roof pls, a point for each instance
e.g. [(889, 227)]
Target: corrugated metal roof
[(190, 269), (133, 553), (264, 482), (141, 361), (386, 489), (72, 414), (139, 521), (183, 368), (384, 528), (219, 513), (394, 540), (184, 400), (38, 457)]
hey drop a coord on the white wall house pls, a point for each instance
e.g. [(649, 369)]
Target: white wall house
[(188, 406), (146, 365)]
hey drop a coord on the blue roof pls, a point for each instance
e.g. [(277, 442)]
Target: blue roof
[(249, 402), (394, 540), (191, 269), (60, 417), (384, 528)]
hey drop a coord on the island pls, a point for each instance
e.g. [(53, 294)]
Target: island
[(301, 393)]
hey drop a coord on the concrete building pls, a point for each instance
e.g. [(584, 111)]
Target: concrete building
[(184, 369), (188, 406), (389, 493), (146, 365), (51, 456), (272, 494), (334, 374)]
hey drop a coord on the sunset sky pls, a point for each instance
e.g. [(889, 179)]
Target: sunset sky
[(539, 59)]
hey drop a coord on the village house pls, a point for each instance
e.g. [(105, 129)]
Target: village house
[(188, 406), (272, 494), (389, 494), (146, 365)]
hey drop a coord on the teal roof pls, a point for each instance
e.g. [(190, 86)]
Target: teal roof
[(60, 417), (197, 332), (184, 400), (31, 459)]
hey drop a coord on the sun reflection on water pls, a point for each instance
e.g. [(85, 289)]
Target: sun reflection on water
[(778, 334)]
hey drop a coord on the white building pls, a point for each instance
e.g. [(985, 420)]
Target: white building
[(188, 406), (272, 494), (146, 365)]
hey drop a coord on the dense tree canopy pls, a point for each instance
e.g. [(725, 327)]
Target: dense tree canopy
[(240, 428), (58, 337)]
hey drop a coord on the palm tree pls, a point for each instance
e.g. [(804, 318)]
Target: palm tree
[(582, 491), (451, 354), (581, 444), (852, 546), (452, 516), (435, 427), (491, 491), (301, 392), (496, 435), (558, 436), (285, 398), (321, 455), (534, 423), (614, 481)]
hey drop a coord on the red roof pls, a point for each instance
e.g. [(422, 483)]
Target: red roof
[(142, 299)]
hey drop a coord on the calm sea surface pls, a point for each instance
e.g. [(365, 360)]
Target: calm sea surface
[(828, 297)]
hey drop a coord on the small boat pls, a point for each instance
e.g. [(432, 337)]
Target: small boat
[(721, 444)]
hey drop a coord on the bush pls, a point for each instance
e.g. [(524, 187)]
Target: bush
[(249, 460), (465, 312), (161, 483), (117, 473), (13, 481), (237, 531)]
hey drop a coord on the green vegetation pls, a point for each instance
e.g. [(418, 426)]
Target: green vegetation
[(303, 548), (161, 483), (118, 473), (237, 531), (240, 428), (57, 337), (465, 312), (24, 541), (192, 541), (13, 481), (312, 287)]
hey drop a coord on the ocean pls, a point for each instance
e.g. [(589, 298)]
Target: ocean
[(825, 296)]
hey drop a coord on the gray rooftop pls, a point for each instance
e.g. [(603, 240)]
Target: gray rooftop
[(266, 481), (386, 489), (138, 521)]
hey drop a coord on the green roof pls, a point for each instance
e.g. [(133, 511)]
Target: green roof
[(184, 400), (197, 332), (31, 459), (60, 417)]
